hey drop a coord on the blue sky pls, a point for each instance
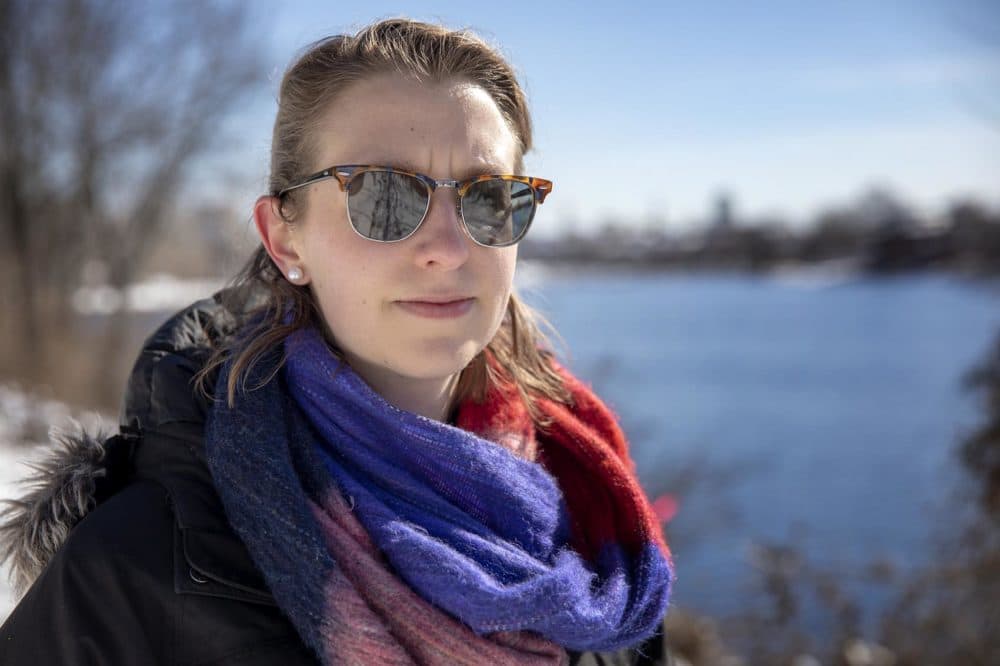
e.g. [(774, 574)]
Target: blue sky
[(645, 111)]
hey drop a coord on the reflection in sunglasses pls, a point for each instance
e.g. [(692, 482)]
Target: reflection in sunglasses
[(388, 205)]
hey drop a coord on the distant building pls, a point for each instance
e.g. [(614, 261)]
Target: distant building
[(722, 214)]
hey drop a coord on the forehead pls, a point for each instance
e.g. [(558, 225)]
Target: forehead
[(446, 129)]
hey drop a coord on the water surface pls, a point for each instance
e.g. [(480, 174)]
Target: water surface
[(824, 414)]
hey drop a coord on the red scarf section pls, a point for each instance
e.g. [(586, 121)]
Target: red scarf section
[(585, 449)]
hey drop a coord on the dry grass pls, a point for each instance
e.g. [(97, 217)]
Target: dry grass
[(69, 365)]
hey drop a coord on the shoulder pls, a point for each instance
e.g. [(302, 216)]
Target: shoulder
[(159, 388), (144, 568), (81, 469), (108, 579), (132, 526), (123, 589)]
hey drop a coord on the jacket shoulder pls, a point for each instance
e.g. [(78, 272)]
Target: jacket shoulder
[(120, 590), (81, 469), (101, 591), (160, 389)]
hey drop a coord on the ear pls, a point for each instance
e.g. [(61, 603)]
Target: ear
[(278, 237)]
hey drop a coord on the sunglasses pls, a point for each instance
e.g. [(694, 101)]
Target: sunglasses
[(388, 205)]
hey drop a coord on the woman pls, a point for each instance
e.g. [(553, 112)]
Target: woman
[(390, 467)]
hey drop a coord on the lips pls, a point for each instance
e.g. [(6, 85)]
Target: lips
[(437, 307), (437, 300)]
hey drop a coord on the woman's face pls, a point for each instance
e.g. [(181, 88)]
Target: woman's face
[(366, 290)]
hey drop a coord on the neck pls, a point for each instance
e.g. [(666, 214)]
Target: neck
[(430, 397)]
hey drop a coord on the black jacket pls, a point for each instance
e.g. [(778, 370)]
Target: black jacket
[(125, 543)]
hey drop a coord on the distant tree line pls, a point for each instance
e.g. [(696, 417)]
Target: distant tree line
[(877, 234), (106, 107)]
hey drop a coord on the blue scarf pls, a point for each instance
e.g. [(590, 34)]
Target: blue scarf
[(478, 532)]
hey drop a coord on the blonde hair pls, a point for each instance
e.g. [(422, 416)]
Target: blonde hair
[(425, 52)]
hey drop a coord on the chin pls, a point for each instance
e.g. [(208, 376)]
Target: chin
[(434, 361)]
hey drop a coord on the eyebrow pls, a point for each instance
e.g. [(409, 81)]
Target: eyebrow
[(476, 170)]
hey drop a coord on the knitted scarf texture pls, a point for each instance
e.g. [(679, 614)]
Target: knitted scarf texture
[(388, 537)]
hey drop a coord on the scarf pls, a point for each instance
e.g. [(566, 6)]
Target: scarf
[(388, 537)]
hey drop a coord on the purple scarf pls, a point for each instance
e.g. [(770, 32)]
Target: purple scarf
[(387, 536)]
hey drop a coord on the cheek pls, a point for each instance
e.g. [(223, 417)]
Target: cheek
[(507, 263), (502, 276), (352, 310), (342, 280)]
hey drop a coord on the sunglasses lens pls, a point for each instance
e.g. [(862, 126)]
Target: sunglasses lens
[(388, 206), (385, 205), (497, 212)]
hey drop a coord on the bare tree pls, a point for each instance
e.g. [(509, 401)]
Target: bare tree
[(105, 108)]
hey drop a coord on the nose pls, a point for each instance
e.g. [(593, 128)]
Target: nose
[(441, 241)]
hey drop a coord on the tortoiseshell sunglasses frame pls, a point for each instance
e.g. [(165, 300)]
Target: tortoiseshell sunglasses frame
[(344, 173)]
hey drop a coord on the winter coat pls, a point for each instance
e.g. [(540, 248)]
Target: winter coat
[(126, 547)]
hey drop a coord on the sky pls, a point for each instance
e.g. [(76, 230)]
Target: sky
[(646, 112)]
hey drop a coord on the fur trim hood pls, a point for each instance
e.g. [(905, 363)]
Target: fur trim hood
[(79, 469)]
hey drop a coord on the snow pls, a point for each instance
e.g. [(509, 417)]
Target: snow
[(12, 468), (159, 293)]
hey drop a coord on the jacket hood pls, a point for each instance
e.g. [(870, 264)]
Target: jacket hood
[(65, 485), (81, 469)]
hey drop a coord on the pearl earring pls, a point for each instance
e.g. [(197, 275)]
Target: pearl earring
[(294, 274)]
